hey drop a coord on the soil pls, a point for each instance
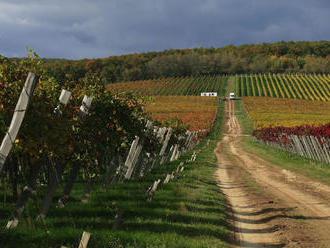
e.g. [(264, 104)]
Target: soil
[(269, 206)]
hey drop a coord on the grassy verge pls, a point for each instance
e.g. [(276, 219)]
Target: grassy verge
[(306, 167), (187, 212)]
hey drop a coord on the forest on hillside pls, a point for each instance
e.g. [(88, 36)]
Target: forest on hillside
[(280, 57)]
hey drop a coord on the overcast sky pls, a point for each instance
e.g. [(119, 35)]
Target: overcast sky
[(78, 29)]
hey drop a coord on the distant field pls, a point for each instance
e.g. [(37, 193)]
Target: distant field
[(306, 87), (266, 112), (182, 86), (196, 111)]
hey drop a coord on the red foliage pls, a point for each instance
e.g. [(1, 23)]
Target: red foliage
[(281, 134)]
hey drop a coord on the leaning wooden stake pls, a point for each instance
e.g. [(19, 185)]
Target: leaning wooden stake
[(165, 145), (31, 184), (152, 189), (84, 240), (18, 117), (167, 179)]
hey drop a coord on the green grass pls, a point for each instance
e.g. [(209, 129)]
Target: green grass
[(312, 169), (187, 212)]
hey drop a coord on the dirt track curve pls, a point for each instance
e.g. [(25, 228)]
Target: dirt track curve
[(270, 206)]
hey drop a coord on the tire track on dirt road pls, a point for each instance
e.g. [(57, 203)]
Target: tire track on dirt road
[(271, 207)]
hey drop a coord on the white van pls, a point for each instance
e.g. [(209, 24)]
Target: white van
[(231, 95)]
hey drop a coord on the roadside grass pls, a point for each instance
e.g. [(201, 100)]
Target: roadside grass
[(312, 169), (187, 212)]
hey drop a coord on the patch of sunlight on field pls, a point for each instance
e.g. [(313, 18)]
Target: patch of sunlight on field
[(266, 112), (196, 111)]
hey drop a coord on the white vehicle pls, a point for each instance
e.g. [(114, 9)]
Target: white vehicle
[(231, 95)]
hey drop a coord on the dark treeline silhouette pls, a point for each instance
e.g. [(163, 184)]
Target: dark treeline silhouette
[(301, 56)]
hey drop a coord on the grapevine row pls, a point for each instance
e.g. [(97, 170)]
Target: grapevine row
[(296, 86), (181, 86)]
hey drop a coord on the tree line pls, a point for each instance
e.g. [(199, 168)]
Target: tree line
[(280, 57)]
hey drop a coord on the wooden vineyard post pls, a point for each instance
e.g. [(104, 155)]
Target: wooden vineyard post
[(320, 152), (314, 148), (190, 144), (174, 153), (324, 153), (84, 240), (160, 134), (126, 171), (326, 149), (188, 139), (168, 154), (85, 105), (137, 153), (298, 145), (167, 178), (148, 159), (155, 158), (165, 145), (18, 117), (152, 189), (122, 170), (64, 99), (310, 147), (309, 153), (28, 189)]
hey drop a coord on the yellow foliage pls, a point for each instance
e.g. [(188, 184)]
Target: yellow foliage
[(266, 112)]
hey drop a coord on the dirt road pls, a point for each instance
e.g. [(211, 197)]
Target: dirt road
[(270, 206)]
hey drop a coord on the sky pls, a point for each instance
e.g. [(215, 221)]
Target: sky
[(76, 29)]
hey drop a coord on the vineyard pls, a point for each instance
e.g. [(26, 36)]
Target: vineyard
[(315, 87), (271, 112), (71, 145), (107, 139), (183, 86), (308, 141), (298, 126), (195, 111), (178, 98), (76, 145)]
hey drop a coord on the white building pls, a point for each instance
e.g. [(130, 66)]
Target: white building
[(209, 94)]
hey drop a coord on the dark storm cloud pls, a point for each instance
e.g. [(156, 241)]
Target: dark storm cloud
[(100, 28)]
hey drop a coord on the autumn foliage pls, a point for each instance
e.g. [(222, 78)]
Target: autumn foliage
[(271, 112), (281, 134), (175, 86), (195, 111)]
